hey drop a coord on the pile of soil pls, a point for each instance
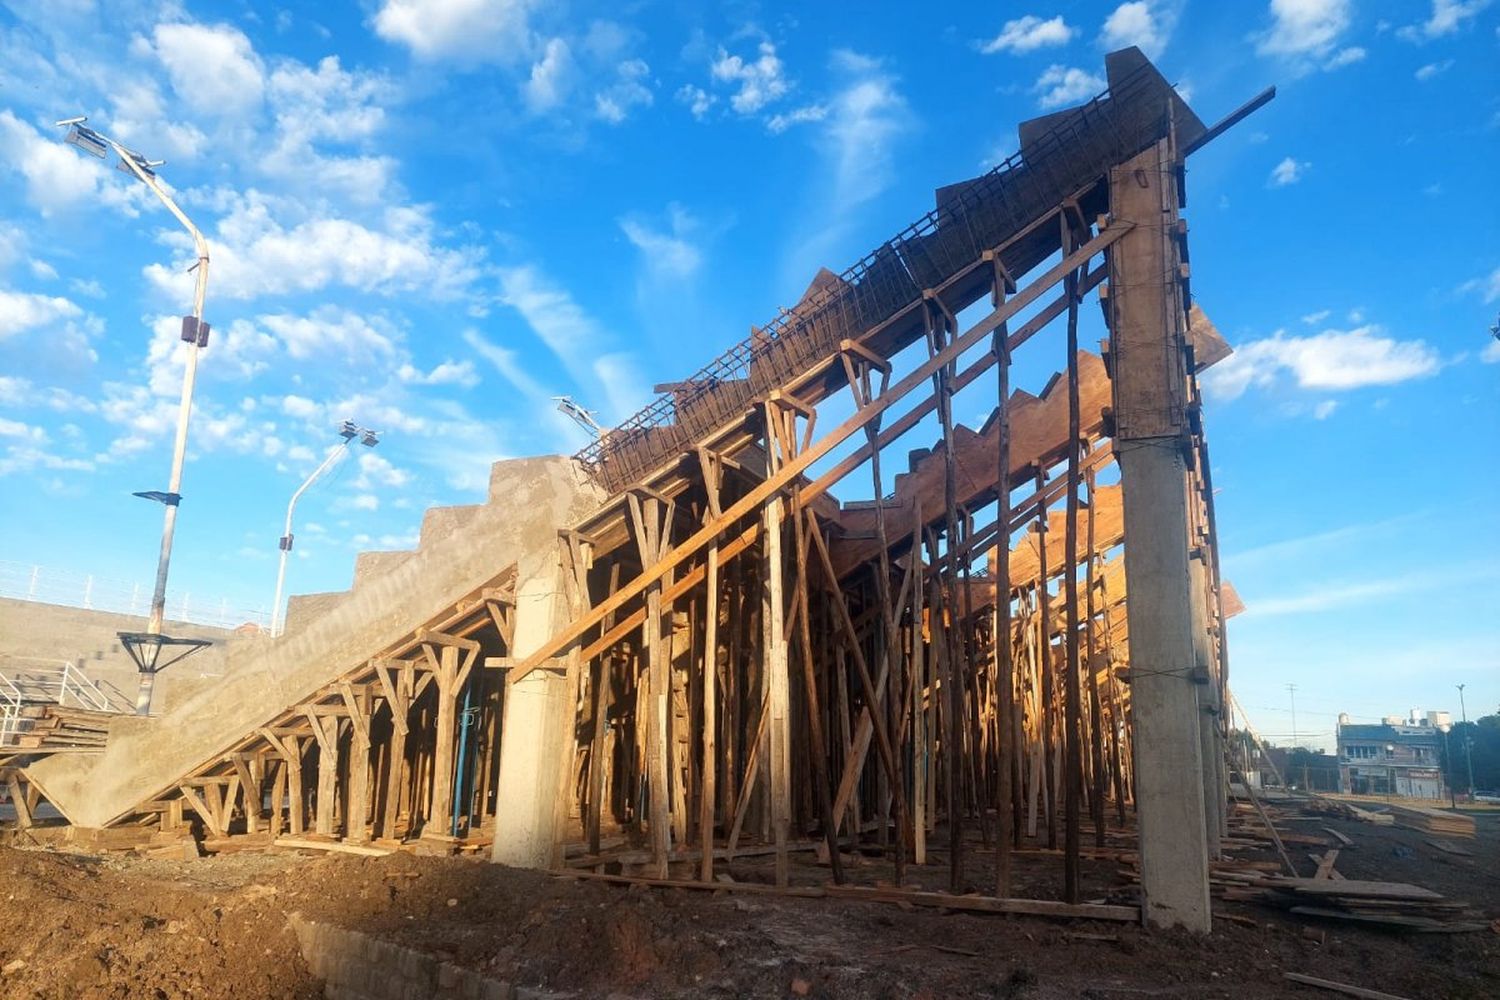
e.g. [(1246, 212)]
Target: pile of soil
[(217, 927), (82, 927)]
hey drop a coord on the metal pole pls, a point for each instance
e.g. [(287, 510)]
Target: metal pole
[(185, 410), (1468, 742), (277, 619)]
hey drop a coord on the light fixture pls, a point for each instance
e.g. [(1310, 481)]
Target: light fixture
[(348, 429), (87, 139), (369, 439)]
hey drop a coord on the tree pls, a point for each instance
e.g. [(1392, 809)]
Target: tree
[(1485, 736)]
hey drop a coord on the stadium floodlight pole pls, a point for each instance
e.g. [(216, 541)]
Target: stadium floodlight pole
[(194, 331), (348, 431)]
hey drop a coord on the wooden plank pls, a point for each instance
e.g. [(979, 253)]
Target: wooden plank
[(899, 897), (1355, 888), (1325, 864), (1344, 988), (331, 845), (1344, 841), (789, 472)]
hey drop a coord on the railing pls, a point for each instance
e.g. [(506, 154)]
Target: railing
[(979, 216), (28, 686), (10, 710), (27, 582)]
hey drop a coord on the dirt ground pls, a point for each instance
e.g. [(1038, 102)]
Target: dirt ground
[(121, 926)]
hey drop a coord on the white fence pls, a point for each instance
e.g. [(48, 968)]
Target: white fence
[(81, 590)]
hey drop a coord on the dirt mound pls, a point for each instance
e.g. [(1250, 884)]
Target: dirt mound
[(78, 929)]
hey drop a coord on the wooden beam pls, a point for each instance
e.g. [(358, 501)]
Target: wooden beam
[(791, 470)]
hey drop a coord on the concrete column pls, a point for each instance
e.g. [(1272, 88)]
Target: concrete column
[(1147, 335), (1210, 739), (534, 726)]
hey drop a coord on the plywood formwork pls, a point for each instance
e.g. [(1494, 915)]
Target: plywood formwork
[(720, 657)]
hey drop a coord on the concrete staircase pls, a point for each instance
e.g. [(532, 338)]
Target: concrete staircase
[(461, 550)]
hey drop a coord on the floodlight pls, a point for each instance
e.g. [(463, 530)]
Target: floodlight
[(71, 121), (88, 140), (368, 439), (348, 430)]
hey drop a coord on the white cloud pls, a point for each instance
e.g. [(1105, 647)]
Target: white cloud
[(629, 90), (213, 68), (548, 83), (865, 118), (460, 373), (58, 177), (698, 100), (331, 331), (1313, 318), (779, 123), (1491, 353), (1147, 24), (236, 353), (666, 253), (41, 269), (1304, 28), (365, 501), (571, 334), (322, 106), (1325, 409), (1345, 57), (1488, 287), (625, 390), (1448, 17), (1288, 171), (1029, 33), (1332, 360), (1059, 85), (299, 407), (375, 471), (463, 31), (507, 363), (1431, 70), (761, 81), (255, 255), (26, 310)]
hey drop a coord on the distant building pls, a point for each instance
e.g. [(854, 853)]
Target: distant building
[(1399, 756)]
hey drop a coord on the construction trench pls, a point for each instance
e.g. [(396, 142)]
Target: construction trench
[(676, 653)]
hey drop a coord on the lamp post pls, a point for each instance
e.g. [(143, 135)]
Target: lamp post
[(1448, 763), (1468, 742), (145, 648), (348, 431)]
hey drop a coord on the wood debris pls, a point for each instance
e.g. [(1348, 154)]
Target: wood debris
[(1397, 905)]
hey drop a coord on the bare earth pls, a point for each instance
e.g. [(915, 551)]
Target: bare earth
[(127, 927)]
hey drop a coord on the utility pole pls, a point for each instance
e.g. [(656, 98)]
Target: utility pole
[(146, 647), (1291, 690), (1468, 742), (348, 431)]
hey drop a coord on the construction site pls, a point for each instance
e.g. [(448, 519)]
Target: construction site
[(792, 684)]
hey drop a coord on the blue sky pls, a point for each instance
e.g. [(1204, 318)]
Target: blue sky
[(432, 216)]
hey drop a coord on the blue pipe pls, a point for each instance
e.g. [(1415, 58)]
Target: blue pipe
[(463, 748)]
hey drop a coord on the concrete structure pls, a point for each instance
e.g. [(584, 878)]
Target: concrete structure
[(679, 642), (201, 721), (1401, 757)]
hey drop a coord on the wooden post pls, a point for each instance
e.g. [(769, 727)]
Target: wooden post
[(1071, 695), (326, 732), (653, 537), (1004, 672), (356, 825), (396, 684)]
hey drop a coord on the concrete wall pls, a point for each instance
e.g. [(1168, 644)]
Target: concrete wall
[(355, 966), (146, 757), (33, 634)]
